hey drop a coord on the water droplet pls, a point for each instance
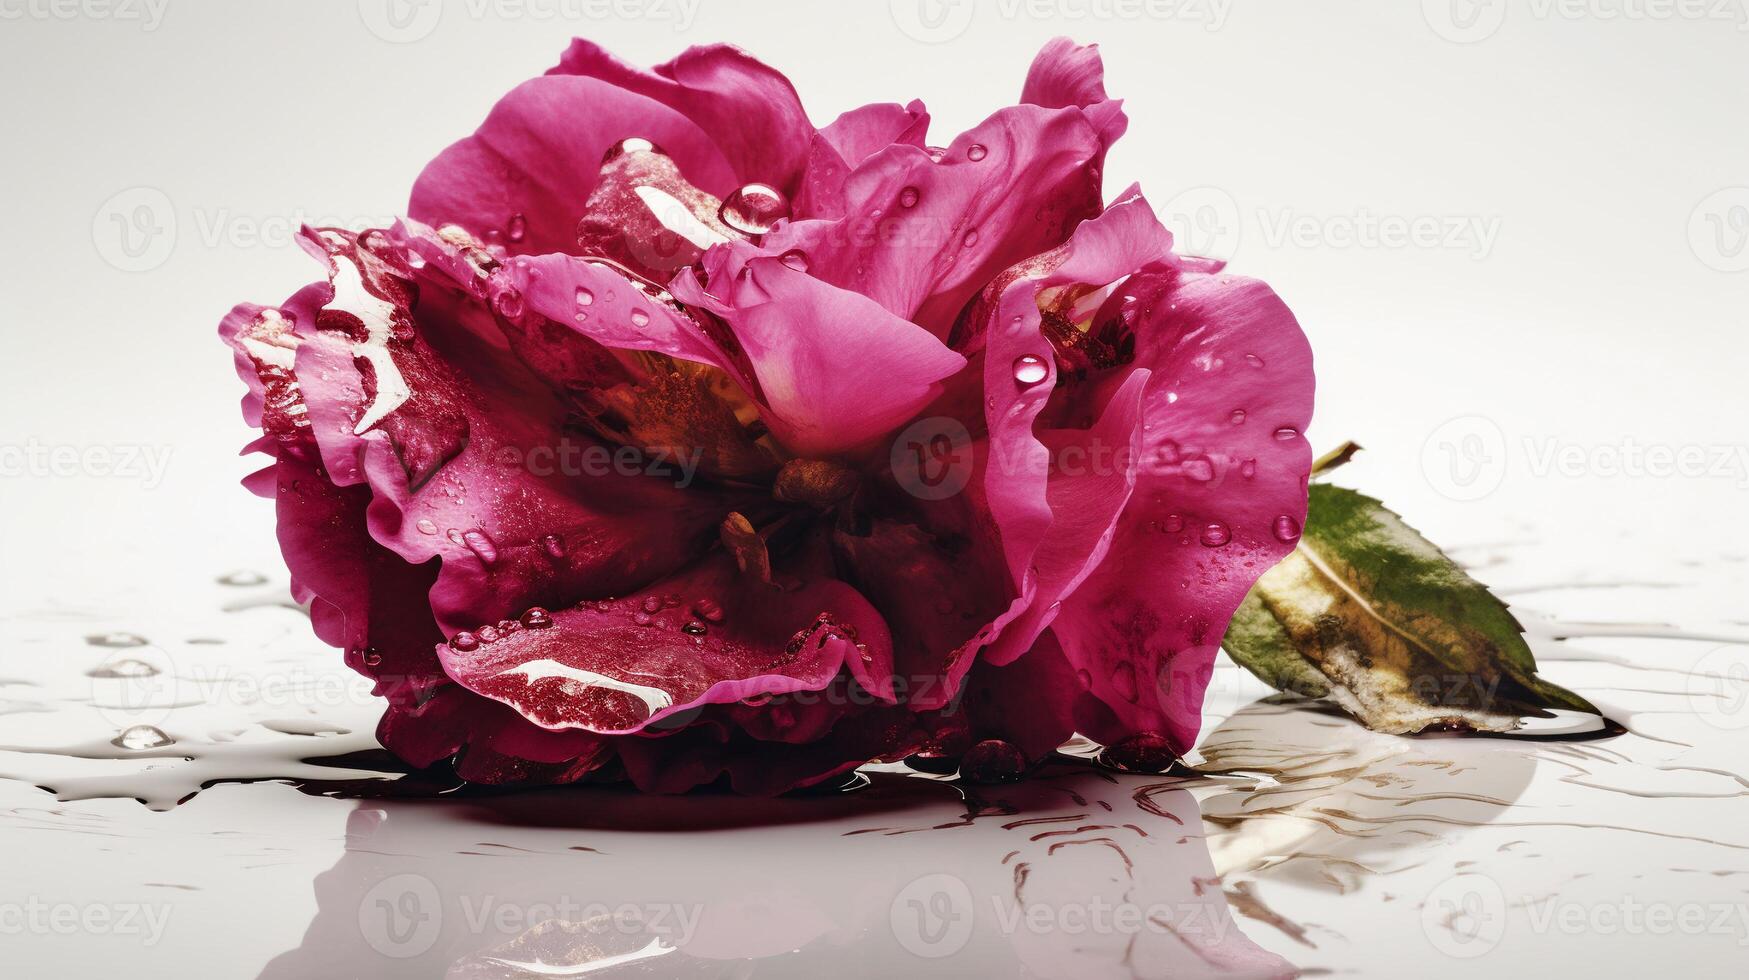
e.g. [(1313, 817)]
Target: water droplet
[(1287, 528), (754, 209), (426, 526), (694, 628), (631, 144), (584, 296), (1238, 416), (971, 238), (536, 618), (640, 318), (517, 229), (796, 259), (708, 610), (641, 618), (1286, 433), (371, 657), (138, 738), (652, 604), (455, 536), (123, 668), (1142, 752), (1173, 524), (481, 545), (508, 303), (553, 545), (1248, 469), (464, 642), (908, 197), (992, 761), (976, 152), (490, 634), (1215, 534), (116, 641), (1254, 360), (1199, 468), (1030, 369), (243, 578)]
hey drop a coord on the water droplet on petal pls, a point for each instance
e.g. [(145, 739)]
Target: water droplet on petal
[(553, 545), (796, 259), (708, 610), (754, 209), (640, 318), (1199, 468), (1238, 416), (631, 144), (517, 228), (584, 296), (1215, 534), (1286, 433), (652, 604), (490, 634), (536, 618), (464, 642), (693, 627), (481, 545), (141, 737), (971, 238), (908, 197), (1287, 528), (976, 152), (508, 303), (1248, 469), (1173, 524), (1030, 369), (371, 657), (1254, 360), (426, 526)]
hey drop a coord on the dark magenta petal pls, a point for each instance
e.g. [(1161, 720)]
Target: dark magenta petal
[(708, 636), (833, 368), (1029, 703), (523, 178), (749, 109), (524, 512), (1229, 395), (1055, 524)]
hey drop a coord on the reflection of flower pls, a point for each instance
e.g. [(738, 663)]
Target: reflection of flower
[(643, 414)]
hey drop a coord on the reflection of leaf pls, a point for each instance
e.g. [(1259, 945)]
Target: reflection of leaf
[(1370, 614)]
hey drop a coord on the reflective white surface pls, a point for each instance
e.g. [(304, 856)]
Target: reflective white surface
[(1552, 383)]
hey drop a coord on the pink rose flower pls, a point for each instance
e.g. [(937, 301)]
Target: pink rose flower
[(675, 440)]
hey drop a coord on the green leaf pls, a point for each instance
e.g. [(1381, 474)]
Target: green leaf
[(1370, 614)]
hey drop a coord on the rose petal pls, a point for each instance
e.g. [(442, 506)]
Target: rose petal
[(707, 636), (523, 177), (833, 368), (1223, 462), (749, 109)]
